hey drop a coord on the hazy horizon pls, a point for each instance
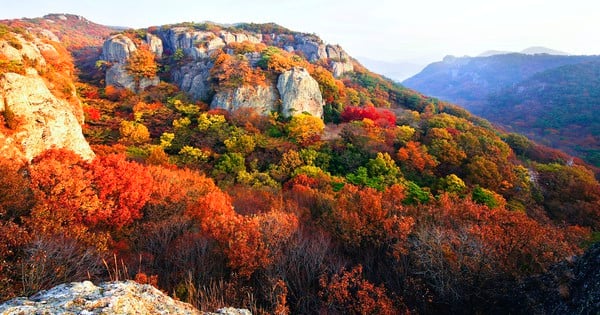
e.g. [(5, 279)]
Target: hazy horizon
[(417, 32)]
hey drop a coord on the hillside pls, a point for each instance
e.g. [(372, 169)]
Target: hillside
[(556, 107), (252, 166), (549, 98), (468, 81)]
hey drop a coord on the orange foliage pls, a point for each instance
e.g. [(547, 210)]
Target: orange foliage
[(239, 236), (348, 293), (362, 220), (231, 72), (415, 156), (141, 64)]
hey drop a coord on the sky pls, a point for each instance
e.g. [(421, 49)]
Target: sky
[(419, 31)]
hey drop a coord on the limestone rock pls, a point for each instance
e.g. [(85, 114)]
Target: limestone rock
[(229, 37), (117, 48), (195, 44), (118, 76), (109, 298), (28, 51), (262, 98), (155, 44), (193, 78), (339, 68), (42, 120), (299, 93)]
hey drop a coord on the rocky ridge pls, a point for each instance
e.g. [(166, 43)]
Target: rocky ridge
[(192, 74), (105, 298), (35, 119)]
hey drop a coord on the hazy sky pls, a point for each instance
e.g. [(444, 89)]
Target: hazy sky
[(424, 30)]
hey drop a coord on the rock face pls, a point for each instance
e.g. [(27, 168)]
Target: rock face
[(193, 78), (313, 49), (35, 119), (194, 44), (118, 76), (240, 37), (116, 50), (155, 44), (107, 298), (299, 93), (262, 98), (43, 120)]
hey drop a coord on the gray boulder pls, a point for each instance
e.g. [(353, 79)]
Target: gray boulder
[(108, 298), (117, 48), (299, 93), (261, 98)]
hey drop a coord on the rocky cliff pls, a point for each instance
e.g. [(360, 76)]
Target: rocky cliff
[(261, 98), (191, 47), (106, 298), (116, 50), (34, 119)]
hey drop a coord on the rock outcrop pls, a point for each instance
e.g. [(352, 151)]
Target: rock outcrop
[(229, 37), (116, 50), (35, 119), (155, 44), (42, 120), (118, 76), (314, 49), (193, 78), (261, 98), (194, 44), (107, 298), (299, 93)]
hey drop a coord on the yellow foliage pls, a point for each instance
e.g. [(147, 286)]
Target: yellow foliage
[(305, 129)]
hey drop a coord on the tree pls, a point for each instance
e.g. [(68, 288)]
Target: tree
[(305, 129), (141, 64)]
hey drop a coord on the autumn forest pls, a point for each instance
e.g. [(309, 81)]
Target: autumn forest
[(392, 202)]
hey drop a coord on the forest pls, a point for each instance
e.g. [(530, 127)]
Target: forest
[(393, 203)]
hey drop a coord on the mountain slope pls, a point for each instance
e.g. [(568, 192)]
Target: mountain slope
[(214, 180), (469, 80), (550, 98)]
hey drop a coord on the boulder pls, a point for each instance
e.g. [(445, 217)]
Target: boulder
[(299, 93), (261, 98), (108, 298), (41, 120), (117, 48)]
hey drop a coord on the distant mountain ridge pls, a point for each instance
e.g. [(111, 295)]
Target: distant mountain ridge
[(544, 96), (534, 50)]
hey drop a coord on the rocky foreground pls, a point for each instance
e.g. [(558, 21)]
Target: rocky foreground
[(106, 298)]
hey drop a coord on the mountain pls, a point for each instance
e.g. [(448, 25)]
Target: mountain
[(482, 84), (396, 70), (556, 107), (251, 165), (535, 50)]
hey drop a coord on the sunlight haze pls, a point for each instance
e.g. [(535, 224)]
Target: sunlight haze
[(416, 31)]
